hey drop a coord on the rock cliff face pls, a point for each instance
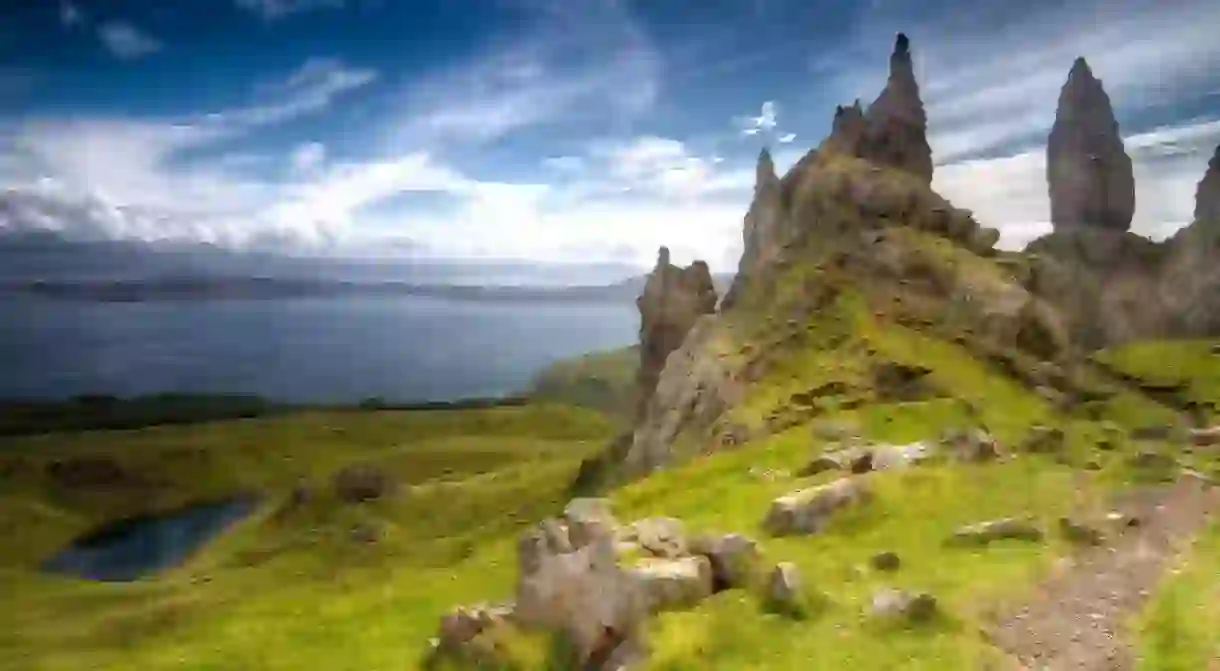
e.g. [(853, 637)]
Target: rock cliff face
[(1190, 285), (896, 126), (1087, 169), (761, 237), (1207, 196), (673, 300), (894, 130)]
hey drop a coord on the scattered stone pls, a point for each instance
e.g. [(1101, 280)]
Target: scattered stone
[(1152, 460), (733, 558), (784, 589), (807, 511), (362, 482), (1014, 528), (893, 457), (583, 593), (1205, 437), (1153, 432), (885, 561), (461, 625), (589, 519), (1080, 532), (673, 583), (661, 537), (972, 445), (851, 459), (1092, 465), (831, 432), (893, 603), (1045, 440)]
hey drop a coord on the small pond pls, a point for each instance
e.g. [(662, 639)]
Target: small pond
[(131, 548)]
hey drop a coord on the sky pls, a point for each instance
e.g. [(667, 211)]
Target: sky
[(581, 131)]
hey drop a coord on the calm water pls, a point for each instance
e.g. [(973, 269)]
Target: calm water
[(131, 548), (305, 350)]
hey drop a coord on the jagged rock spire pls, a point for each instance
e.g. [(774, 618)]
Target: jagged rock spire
[(894, 130), (764, 173), (1207, 196), (1088, 171), (673, 299)]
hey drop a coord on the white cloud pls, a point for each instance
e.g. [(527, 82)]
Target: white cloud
[(272, 10), (785, 139), (1011, 192), (126, 42), (307, 158)]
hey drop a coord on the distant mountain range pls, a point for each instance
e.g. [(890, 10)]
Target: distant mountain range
[(220, 288), (43, 264)]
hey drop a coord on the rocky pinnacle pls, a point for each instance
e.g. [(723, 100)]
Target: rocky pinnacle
[(896, 125), (1088, 172), (1207, 196)]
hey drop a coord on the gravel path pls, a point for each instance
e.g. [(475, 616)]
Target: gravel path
[(1078, 617)]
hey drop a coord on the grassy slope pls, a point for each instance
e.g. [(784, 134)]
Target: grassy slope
[(289, 590), (602, 381)]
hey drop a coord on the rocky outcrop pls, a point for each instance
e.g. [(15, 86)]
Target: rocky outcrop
[(1191, 279), (1207, 195), (761, 237), (1087, 169), (894, 131), (896, 126), (808, 511), (673, 300), (696, 387)]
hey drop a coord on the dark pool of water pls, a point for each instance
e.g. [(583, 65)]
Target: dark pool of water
[(135, 547)]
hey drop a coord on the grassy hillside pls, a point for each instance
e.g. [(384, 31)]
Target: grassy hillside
[(603, 381)]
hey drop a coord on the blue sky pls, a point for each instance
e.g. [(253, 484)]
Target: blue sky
[(577, 130)]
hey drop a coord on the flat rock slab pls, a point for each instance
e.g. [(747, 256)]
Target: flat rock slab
[(808, 510), (1008, 528), (1079, 616), (673, 583)]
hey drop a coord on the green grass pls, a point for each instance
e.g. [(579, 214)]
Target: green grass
[(1190, 366), (1180, 629), (603, 381)]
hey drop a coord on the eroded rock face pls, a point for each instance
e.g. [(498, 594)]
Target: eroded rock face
[(673, 300), (1207, 195), (896, 127), (761, 235), (894, 130), (1087, 168)]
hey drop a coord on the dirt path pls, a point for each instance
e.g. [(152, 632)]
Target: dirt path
[(1078, 617)]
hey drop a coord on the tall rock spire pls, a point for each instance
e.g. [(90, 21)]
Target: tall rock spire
[(1207, 196), (896, 125), (1088, 172), (760, 235)]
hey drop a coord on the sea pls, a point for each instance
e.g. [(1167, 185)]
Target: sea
[(301, 350)]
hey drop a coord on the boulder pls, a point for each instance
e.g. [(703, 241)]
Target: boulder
[(808, 510), (661, 537), (1014, 528), (1205, 437), (984, 240), (1152, 460), (784, 589), (362, 482), (885, 561), (589, 519), (673, 583), (1089, 173), (850, 459), (890, 603), (893, 457), (583, 593), (1080, 531), (971, 445), (733, 558)]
